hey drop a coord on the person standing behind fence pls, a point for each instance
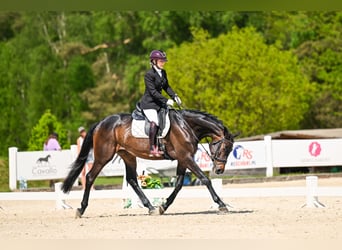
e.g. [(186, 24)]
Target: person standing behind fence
[(52, 143), (90, 158)]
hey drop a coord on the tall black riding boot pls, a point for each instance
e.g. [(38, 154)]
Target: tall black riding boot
[(154, 151)]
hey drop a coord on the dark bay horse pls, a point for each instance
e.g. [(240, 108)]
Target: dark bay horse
[(113, 135)]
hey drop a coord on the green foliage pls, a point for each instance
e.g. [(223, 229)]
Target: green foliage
[(277, 70), (47, 124), (7, 20), (84, 65), (152, 183), (12, 103), (251, 86), (149, 182), (80, 75), (4, 173), (321, 60)]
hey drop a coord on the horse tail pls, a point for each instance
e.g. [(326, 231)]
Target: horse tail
[(78, 164)]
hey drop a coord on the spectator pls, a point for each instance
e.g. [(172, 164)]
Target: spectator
[(90, 158), (52, 143)]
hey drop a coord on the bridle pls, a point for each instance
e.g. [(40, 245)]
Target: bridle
[(220, 141), (215, 156)]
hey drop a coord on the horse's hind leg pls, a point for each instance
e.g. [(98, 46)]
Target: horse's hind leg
[(172, 196), (90, 178)]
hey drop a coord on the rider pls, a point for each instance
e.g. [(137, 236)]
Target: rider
[(153, 100)]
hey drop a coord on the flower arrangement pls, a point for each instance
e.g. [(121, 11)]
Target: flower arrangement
[(147, 182)]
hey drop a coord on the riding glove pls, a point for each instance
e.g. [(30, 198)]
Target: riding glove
[(178, 100), (170, 102)]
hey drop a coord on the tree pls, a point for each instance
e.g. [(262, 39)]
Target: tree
[(13, 102), (321, 60), (7, 24), (251, 86), (84, 65), (47, 124)]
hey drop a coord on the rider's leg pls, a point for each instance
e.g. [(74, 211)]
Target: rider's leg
[(154, 151), (152, 116)]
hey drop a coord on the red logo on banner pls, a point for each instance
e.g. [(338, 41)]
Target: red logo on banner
[(203, 159), (315, 149)]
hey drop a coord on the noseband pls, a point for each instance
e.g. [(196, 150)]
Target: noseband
[(215, 157)]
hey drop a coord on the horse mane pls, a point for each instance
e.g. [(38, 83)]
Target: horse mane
[(205, 115)]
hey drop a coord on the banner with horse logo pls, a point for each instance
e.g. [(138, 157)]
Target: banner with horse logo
[(43, 165)]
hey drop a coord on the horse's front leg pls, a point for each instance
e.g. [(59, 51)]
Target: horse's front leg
[(131, 178), (206, 181), (171, 198), (134, 184)]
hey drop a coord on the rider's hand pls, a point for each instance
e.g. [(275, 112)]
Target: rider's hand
[(178, 100), (169, 102)]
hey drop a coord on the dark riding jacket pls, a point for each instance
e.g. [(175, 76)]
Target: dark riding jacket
[(154, 84)]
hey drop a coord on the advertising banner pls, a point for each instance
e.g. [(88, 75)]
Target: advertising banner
[(290, 153), (202, 158), (43, 165), (247, 155)]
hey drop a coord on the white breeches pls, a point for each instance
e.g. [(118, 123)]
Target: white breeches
[(152, 115)]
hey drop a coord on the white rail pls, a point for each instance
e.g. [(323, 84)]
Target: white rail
[(311, 191)]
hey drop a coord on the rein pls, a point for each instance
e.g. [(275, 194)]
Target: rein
[(215, 158)]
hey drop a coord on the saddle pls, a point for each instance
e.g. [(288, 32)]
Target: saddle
[(141, 125)]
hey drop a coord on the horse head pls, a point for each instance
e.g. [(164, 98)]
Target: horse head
[(220, 149), (206, 125)]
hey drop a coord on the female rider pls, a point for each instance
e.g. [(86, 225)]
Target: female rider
[(152, 100)]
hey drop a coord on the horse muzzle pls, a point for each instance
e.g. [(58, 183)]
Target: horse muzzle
[(219, 166), (219, 171)]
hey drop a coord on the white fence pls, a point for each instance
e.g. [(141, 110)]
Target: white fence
[(48, 165), (267, 154), (310, 193)]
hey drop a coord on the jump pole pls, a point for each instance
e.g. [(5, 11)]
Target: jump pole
[(311, 193), (60, 203)]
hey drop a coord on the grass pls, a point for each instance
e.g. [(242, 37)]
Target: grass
[(115, 180)]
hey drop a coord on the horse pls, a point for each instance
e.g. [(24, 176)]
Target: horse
[(113, 135), (46, 159)]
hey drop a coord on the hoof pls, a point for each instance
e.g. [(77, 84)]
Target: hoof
[(78, 213), (153, 212), (161, 210), (223, 210)]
